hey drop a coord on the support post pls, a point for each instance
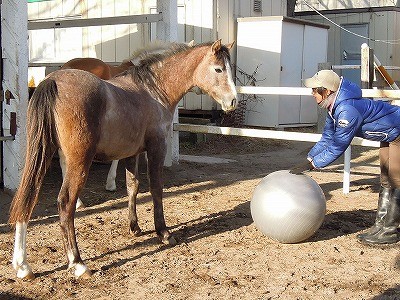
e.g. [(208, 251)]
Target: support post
[(346, 170), (167, 30), (367, 66)]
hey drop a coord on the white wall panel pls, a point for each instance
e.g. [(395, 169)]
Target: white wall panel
[(15, 72), (200, 20)]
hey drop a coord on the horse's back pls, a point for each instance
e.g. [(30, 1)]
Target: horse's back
[(73, 82), (89, 64)]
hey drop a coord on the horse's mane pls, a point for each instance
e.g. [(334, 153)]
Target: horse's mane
[(144, 58), (155, 47)]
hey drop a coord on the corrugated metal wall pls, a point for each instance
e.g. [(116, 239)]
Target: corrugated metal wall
[(382, 25), (329, 4)]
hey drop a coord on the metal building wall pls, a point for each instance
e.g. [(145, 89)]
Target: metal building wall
[(382, 25)]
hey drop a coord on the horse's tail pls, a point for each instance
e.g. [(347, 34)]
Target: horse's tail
[(40, 148)]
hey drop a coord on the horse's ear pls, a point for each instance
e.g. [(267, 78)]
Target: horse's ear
[(216, 46), (229, 46), (191, 43)]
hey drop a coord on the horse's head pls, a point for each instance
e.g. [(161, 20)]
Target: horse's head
[(214, 76)]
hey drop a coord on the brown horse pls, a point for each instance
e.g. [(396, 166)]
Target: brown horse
[(89, 118), (97, 66)]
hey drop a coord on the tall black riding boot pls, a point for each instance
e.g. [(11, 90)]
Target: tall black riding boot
[(381, 211), (389, 233)]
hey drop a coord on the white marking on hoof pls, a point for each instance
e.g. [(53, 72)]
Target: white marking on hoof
[(111, 186), (79, 204), (24, 272), (82, 271)]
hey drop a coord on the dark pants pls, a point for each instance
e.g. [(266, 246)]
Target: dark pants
[(389, 157)]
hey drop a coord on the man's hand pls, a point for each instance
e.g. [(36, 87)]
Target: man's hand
[(300, 168)]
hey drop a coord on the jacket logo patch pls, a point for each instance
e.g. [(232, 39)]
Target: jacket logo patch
[(343, 123)]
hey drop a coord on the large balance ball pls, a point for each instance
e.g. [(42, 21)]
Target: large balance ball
[(288, 208)]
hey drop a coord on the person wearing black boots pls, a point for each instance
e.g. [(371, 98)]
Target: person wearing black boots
[(387, 220), (350, 115)]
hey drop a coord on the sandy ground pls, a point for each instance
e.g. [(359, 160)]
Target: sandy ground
[(220, 253)]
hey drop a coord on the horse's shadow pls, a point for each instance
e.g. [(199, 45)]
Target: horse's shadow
[(191, 231), (184, 233), (238, 217)]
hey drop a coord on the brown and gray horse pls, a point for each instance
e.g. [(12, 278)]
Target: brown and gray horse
[(106, 71), (89, 118)]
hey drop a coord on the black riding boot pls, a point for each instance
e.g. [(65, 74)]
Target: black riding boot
[(381, 211), (389, 233)]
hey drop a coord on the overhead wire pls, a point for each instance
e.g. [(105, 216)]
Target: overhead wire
[(391, 42)]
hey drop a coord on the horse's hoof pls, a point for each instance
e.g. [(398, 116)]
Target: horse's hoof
[(111, 187), (135, 230), (24, 271), (168, 240), (86, 275), (79, 204), (81, 271), (29, 277), (26, 276)]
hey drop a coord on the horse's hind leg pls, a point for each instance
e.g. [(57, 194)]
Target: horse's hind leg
[(79, 203), (112, 174), (73, 183), (132, 187), (19, 262)]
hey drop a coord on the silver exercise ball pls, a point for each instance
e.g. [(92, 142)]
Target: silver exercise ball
[(288, 208)]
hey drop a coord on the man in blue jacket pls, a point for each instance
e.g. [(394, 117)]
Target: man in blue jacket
[(350, 115)]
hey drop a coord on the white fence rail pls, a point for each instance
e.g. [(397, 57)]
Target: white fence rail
[(284, 135)]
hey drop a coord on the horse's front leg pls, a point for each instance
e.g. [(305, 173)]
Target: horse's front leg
[(72, 185), (155, 172), (132, 187)]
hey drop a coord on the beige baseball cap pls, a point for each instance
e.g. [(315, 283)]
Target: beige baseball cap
[(324, 78)]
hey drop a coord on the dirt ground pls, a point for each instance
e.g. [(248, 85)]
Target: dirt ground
[(220, 253)]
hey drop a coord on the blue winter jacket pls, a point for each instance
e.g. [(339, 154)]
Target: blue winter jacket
[(352, 116)]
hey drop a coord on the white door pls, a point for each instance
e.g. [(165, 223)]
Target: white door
[(312, 56), (290, 72)]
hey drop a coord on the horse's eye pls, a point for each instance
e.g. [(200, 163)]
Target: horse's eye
[(218, 70)]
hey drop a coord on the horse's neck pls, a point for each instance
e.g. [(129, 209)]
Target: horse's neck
[(176, 74)]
